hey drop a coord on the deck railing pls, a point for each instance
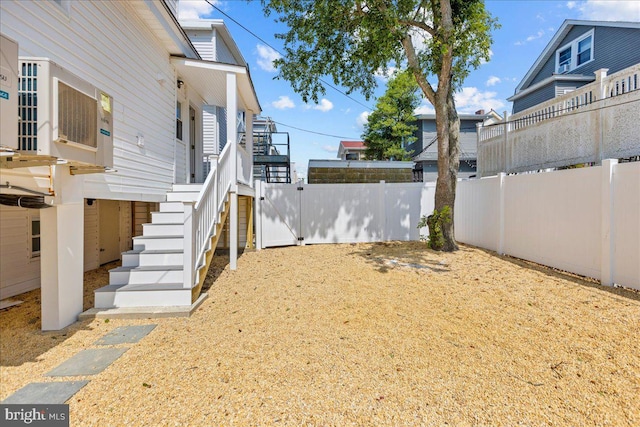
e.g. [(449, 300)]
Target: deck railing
[(201, 216), (538, 137)]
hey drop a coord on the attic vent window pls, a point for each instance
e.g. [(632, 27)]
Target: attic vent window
[(575, 54)]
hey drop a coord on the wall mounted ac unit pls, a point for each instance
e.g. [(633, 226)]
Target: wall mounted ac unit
[(63, 117), (8, 93), (564, 68)]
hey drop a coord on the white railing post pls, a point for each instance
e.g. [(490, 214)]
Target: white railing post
[(189, 245), (505, 164), (601, 76), (479, 151)]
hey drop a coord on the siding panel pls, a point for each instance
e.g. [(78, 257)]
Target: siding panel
[(19, 273), (142, 105)]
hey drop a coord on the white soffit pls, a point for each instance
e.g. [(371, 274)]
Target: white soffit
[(209, 80)]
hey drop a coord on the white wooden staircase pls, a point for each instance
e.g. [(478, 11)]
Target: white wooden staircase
[(169, 262)]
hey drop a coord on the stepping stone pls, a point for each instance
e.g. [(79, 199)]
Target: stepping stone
[(125, 334), (87, 362), (45, 393)]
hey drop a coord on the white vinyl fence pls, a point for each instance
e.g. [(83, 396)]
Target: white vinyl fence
[(290, 214), (585, 221)]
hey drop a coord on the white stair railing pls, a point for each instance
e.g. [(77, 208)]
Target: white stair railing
[(201, 216)]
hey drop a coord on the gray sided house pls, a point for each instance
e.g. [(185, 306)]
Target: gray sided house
[(575, 52), (425, 148)]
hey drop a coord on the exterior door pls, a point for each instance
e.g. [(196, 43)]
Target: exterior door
[(109, 230)]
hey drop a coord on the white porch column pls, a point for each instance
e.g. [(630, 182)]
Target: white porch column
[(232, 138), (62, 252)]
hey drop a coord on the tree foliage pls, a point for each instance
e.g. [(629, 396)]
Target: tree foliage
[(439, 41), (391, 126)]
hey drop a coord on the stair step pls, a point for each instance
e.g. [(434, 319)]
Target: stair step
[(171, 207), (167, 217), (146, 274), (143, 295), (154, 243), (141, 258), (182, 197), (151, 229), (187, 188)]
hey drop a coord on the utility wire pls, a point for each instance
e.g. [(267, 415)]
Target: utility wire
[(317, 133), (276, 50)]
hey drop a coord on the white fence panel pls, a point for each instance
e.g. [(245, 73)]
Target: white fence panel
[(477, 212), (626, 217), (347, 213), (404, 205), (554, 219)]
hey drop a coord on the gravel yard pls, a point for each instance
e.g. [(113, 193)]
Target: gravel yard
[(361, 334)]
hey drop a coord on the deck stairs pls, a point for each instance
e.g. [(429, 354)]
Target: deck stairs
[(168, 263), (152, 273)]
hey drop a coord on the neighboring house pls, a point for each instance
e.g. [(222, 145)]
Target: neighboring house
[(574, 54), (578, 104), (351, 150), (159, 102), (425, 149)]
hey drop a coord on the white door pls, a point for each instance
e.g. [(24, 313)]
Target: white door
[(109, 230)]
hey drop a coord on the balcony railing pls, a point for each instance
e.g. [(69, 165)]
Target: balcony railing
[(596, 121)]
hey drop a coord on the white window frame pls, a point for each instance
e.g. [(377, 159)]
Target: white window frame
[(573, 45), (34, 254)]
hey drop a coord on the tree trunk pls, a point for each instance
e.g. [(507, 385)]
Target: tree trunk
[(448, 131)]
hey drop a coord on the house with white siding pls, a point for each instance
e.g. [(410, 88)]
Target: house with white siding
[(128, 147)]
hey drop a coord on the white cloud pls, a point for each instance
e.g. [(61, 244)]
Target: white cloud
[(194, 9), (493, 80), (470, 99), (482, 61), (266, 56), (330, 148), (385, 75), (609, 10), (362, 119), (283, 103), (424, 109), (324, 105), (531, 38)]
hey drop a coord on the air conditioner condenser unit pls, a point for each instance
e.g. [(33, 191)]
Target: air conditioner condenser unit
[(63, 116)]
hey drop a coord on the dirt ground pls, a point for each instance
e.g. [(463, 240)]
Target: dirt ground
[(367, 334)]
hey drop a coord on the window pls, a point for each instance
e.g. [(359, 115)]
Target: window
[(35, 236), (573, 55), (584, 51), (179, 121), (352, 156)]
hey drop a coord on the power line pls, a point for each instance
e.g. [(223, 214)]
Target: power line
[(317, 133), (276, 50)]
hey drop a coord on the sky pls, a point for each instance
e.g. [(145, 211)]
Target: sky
[(315, 130)]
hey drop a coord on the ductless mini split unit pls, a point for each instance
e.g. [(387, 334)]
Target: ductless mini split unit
[(62, 119)]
